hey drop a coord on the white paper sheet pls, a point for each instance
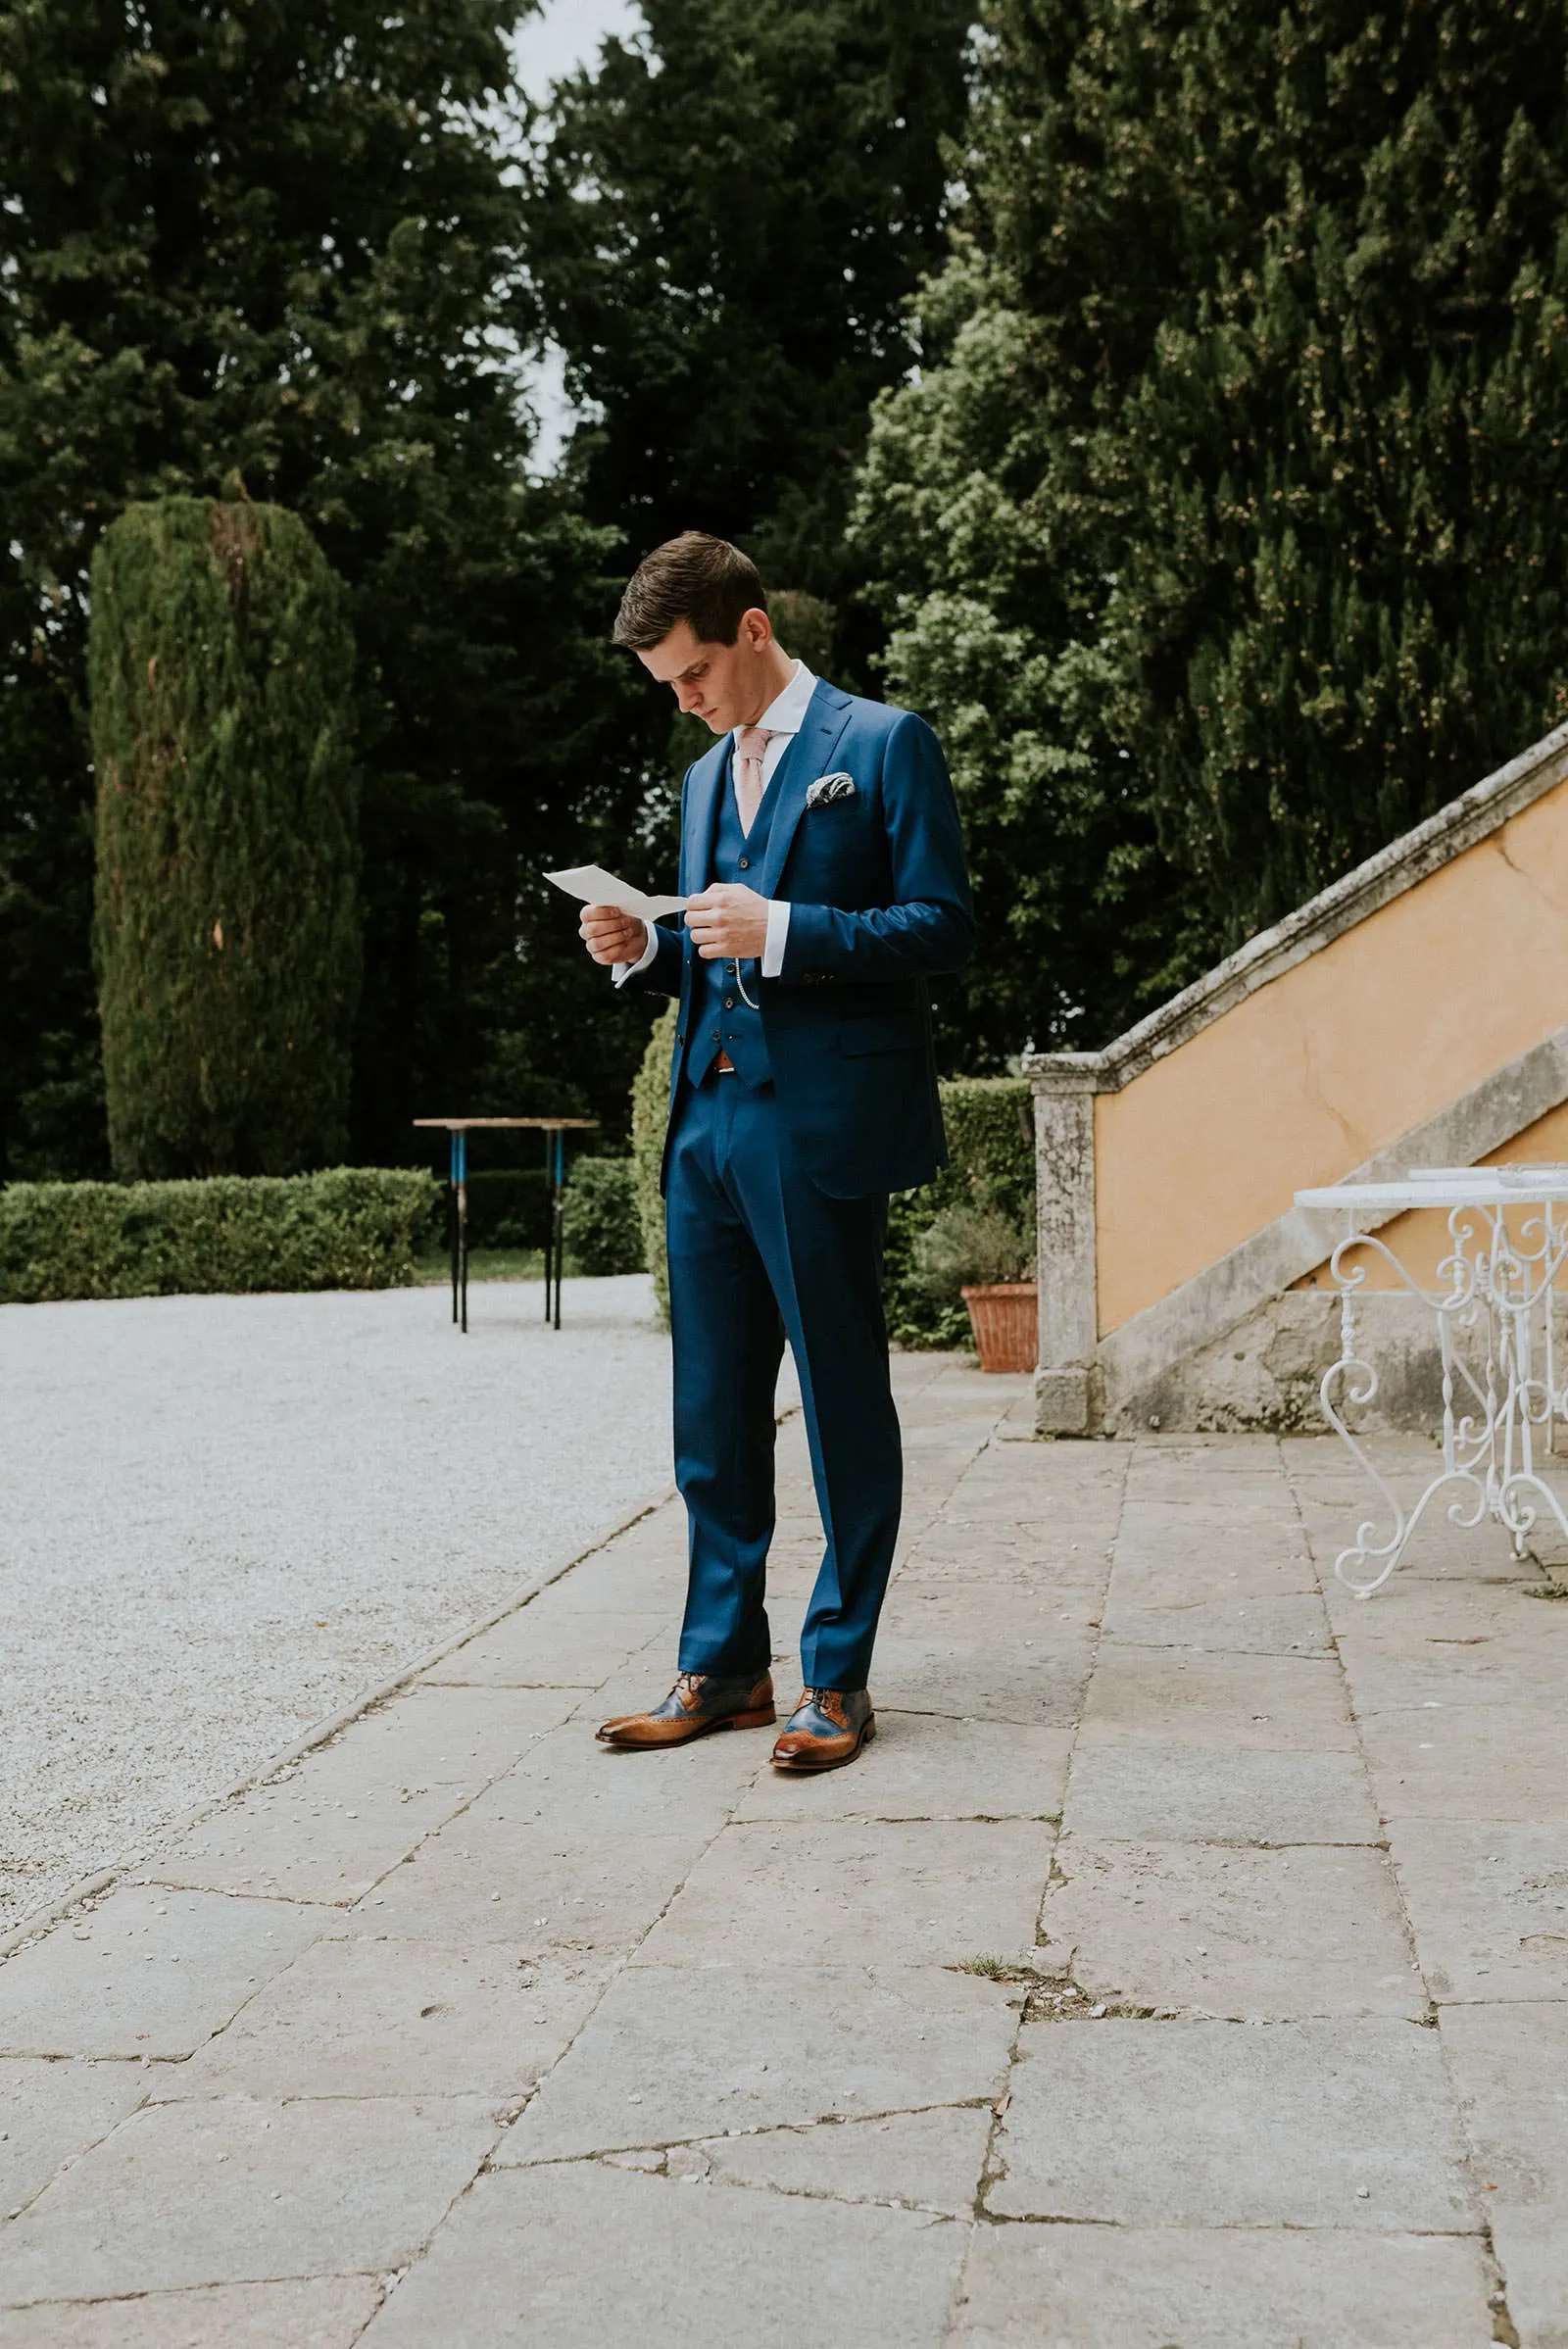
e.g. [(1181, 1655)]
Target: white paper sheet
[(596, 887)]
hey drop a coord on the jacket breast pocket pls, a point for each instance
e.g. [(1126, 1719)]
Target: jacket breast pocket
[(882, 1032)]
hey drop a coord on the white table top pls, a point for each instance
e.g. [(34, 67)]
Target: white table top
[(1444, 1187)]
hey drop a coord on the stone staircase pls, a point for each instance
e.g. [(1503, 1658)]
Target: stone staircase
[(1412, 1014)]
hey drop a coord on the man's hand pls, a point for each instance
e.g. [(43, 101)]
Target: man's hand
[(612, 935), (727, 921)]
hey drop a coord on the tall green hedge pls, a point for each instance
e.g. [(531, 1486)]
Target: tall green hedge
[(602, 1226), (226, 930), (650, 1114), (353, 1227), (990, 1122)]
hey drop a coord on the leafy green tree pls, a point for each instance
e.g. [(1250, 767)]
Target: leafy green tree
[(281, 247), (725, 222), (227, 923), (1224, 541)]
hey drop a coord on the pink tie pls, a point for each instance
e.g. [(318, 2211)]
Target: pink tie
[(749, 750)]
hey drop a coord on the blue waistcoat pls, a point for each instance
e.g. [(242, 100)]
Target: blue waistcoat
[(879, 905), (719, 1014)]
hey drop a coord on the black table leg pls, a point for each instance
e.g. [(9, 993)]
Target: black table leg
[(462, 1226), (549, 1231), (558, 1211), (452, 1218)]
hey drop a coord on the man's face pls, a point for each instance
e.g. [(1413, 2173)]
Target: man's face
[(724, 685)]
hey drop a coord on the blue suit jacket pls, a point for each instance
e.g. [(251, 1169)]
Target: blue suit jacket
[(879, 904)]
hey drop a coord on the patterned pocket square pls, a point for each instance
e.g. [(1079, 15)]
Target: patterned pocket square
[(828, 788)]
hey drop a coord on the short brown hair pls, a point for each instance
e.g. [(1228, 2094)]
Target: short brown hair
[(694, 577)]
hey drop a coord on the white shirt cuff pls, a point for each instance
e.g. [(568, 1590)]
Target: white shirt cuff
[(778, 930), (620, 972)]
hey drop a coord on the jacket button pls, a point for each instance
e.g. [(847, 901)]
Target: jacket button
[(746, 864), (716, 1036), (729, 1003)]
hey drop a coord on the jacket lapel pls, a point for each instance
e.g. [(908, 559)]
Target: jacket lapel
[(708, 778), (808, 755)]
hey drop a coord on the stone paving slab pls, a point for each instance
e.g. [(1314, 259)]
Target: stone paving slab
[(330, 1827), (147, 1973), (381, 2017), (682, 2052), (920, 1892), (1279, 1627), (1348, 2123), (1470, 1763), (1262, 1937), (51, 2111), (533, 1888), (235, 2190), (929, 1766), (1510, 2066), (1248, 1703), (547, 1647), (925, 2161), (715, 2263), (1188, 1793), (1531, 2248), (1487, 1902), (328, 2311), (1097, 2287), (1184, 1964)]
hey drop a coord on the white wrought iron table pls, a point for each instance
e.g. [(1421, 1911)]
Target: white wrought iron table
[(1502, 1384)]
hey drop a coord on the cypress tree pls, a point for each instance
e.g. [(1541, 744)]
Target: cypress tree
[(228, 935), (285, 241)]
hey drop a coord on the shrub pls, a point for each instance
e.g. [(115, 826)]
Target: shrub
[(970, 1245), (226, 923), (602, 1229), (650, 1114), (351, 1226), (990, 1122)]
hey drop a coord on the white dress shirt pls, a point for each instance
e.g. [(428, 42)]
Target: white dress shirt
[(783, 719)]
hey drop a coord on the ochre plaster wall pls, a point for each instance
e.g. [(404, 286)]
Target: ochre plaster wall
[(1335, 1059)]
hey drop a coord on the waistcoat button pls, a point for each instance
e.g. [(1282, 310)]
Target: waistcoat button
[(746, 864)]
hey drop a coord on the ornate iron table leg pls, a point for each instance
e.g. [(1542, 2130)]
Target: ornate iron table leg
[(1494, 1289)]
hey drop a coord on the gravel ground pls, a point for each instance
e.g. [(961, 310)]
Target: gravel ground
[(222, 1517)]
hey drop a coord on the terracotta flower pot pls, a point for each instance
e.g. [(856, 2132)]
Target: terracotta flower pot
[(1004, 1318)]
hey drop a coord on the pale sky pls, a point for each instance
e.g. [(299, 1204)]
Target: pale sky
[(564, 35)]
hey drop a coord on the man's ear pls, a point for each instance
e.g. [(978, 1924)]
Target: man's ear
[(757, 629)]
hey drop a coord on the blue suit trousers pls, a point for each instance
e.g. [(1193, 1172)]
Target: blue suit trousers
[(758, 1252)]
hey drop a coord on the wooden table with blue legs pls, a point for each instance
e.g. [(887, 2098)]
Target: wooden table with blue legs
[(555, 1130)]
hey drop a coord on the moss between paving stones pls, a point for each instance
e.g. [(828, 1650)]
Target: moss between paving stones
[(352, 1227)]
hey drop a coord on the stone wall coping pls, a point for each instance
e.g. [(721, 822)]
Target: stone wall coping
[(1476, 813)]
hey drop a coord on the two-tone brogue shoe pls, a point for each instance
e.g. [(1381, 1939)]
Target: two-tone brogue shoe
[(698, 1703), (827, 1729)]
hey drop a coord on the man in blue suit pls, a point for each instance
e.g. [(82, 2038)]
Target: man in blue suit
[(821, 857)]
